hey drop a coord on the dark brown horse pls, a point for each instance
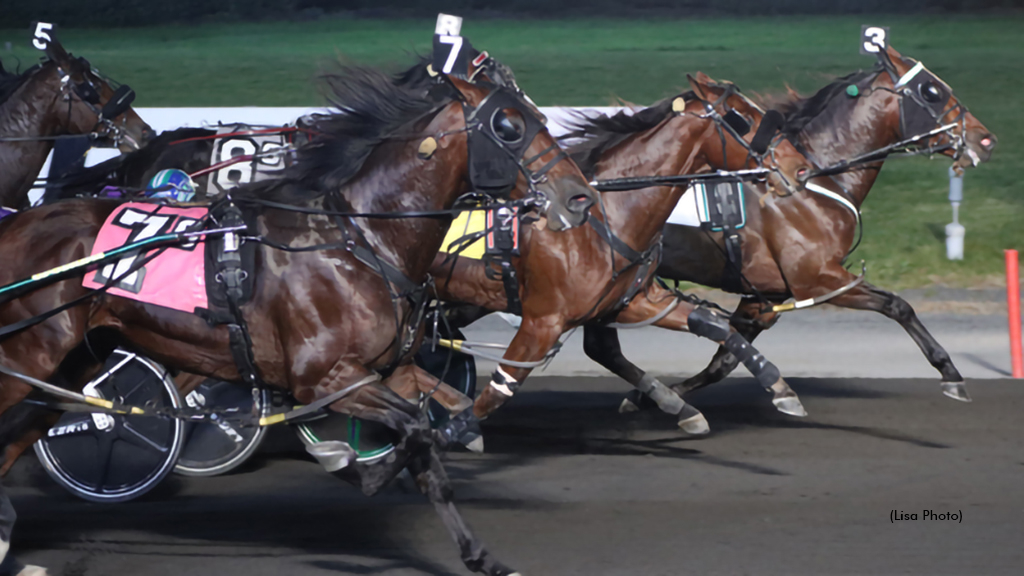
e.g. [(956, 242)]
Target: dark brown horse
[(326, 323), (795, 246), (60, 97), (603, 272)]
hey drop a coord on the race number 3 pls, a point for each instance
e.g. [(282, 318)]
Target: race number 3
[(41, 35), (873, 39)]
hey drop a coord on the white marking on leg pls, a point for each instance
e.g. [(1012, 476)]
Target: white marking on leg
[(502, 386)]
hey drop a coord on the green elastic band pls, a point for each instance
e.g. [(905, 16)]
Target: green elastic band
[(852, 91)]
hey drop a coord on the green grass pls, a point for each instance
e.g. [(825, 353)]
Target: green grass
[(592, 62)]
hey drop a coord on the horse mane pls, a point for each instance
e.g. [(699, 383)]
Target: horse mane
[(603, 132), (11, 81), (799, 111), (371, 108)]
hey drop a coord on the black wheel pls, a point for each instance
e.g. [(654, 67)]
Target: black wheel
[(217, 447), (115, 458), (461, 374)]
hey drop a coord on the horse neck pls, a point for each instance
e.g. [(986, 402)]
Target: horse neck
[(870, 123), (30, 111), (397, 180), (671, 149)]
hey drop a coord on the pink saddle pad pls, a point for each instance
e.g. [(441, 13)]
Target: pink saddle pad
[(174, 279)]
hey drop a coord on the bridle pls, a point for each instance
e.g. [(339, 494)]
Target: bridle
[(923, 99), (88, 93)]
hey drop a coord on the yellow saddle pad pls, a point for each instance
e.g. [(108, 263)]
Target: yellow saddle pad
[(467, 223)]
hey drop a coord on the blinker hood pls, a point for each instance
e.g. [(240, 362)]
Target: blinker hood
[(494, 160)]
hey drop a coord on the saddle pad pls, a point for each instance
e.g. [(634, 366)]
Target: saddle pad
[(467, 223), (174, 279), (693, 209)]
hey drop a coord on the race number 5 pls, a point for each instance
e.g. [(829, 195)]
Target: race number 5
[(41, 36), (873, 39)]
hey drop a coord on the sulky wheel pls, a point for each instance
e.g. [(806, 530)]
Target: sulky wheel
[(461, 373), (115, 458), (218, 446)]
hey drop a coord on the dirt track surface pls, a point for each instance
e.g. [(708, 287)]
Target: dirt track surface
[(568, 486)]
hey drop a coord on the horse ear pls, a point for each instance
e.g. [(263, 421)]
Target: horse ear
[(698, 87)]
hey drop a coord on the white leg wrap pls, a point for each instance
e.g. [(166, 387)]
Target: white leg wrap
[(500, 381)]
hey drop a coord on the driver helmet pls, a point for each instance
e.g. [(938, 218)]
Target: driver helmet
[(173, 184)]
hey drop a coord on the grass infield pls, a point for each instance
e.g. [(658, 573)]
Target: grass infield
[(593, 62)]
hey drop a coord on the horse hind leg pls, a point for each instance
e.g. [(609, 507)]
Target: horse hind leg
[(704, 322), (601, 344)]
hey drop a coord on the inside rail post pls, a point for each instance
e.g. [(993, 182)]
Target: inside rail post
[(1013, 309)]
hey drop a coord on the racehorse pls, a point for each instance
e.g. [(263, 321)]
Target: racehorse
[(795, 246), (336, 299), (602, 273), (60, 97)]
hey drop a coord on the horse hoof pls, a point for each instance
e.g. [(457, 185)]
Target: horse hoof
[(33, 571), (476, 445), (628, 406), (696, 425), (956, 391), (790, 405)]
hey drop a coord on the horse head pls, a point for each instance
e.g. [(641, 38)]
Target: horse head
[(89, 104), (510, 148), (754, 129), (927, 104)]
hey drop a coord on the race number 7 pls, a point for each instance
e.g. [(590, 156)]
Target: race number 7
[(143, 225), (456, 43), (41, 37)]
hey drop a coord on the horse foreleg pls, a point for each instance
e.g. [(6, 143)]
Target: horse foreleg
[(531, 343), (432, 480), (381, 404), (868, 297), (601, 344)]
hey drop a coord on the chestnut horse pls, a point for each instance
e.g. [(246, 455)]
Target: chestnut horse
[(603, 272), (334, 297), (62, 96), (796, 246)]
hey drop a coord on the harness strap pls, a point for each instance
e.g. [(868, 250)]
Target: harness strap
[(318, 404), (653, 319), (812, 187), (625, 250)]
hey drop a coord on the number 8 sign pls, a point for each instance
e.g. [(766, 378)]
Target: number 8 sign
[(873, 39)]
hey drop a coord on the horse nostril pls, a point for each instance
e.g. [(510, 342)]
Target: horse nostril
[(987, 142), (580, 202)]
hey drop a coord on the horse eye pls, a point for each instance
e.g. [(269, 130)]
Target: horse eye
[(930, 93), (505, 128)]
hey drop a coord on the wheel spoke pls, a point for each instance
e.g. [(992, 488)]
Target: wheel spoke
[(104, 449), (136, 438)]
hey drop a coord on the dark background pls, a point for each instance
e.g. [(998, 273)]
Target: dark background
[(71, 13)]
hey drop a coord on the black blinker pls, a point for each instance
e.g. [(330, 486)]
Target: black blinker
[(503, 127), (737, 122), (119, 102), (771, 123)]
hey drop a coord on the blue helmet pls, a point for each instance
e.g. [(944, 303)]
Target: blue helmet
[(171, 183)]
